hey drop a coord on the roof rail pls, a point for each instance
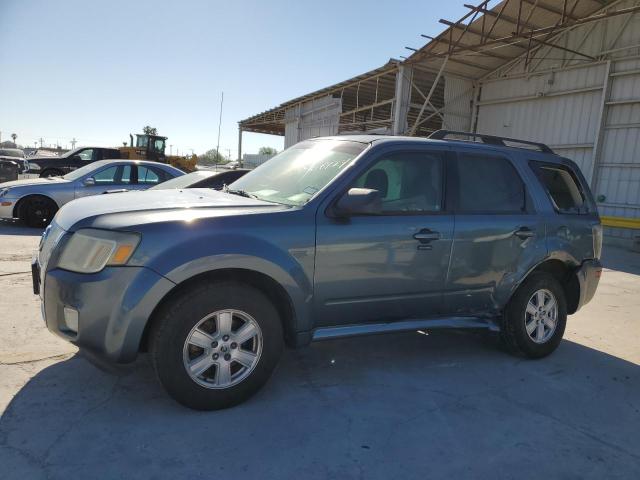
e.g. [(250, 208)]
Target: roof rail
[(491, 139)]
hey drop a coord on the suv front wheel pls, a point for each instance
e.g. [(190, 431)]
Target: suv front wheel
[(215, 345), (535, 318)]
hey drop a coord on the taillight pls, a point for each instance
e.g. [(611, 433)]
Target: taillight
[(597, 240)]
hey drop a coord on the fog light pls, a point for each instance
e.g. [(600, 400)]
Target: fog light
[(71, 319), (6, 204)]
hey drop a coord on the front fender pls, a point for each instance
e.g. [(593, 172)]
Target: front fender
[(291, 268)]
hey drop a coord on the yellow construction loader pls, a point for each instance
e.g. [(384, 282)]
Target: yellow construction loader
[(151, 147)]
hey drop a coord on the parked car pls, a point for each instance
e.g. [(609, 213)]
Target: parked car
[(15, 155), (203, 179), (56, 166), (9, 170), (331, 238), (36, 201)]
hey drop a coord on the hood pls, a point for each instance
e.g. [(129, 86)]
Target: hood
[(37, 158), (29, 182), (156, 205)]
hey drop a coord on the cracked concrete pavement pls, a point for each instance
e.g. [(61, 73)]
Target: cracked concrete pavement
[(442, 405)]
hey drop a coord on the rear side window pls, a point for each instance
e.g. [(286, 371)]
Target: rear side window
[(488, 184), (562, 187)]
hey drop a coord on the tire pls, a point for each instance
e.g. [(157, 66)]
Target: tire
[(529, 334), (51, 172), (37, 211), (207, 308)]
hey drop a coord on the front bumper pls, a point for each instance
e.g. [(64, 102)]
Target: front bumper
[(588, 277), (7, 206), (113, 307)]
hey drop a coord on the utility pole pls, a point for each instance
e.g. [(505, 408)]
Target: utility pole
[(41, 142), (170, 149), (219, 124), (73, 143)]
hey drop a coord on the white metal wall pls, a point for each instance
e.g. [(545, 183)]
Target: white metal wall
[(316, 118), (458, 95), (588, 111), (559, 108)]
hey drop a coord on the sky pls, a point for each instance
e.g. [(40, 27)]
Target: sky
[(99, 70)]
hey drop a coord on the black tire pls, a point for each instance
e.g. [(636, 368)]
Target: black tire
[(513, 329), (181, 314), (37, 211), (51, 172)]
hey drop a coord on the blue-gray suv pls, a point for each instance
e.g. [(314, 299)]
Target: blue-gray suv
[(333, 237)]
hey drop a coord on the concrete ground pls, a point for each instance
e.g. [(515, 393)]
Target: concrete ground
[(442, 405)]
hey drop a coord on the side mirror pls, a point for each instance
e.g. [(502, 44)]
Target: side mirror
[(359, 201), (89, 182), (76, 158)]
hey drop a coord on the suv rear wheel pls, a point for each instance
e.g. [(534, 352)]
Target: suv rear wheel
[(216, 345), (535, 318)]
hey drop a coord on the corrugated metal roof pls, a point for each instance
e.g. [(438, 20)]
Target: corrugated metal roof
[(479, 43)]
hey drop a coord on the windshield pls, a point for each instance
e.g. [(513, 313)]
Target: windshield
[(80, 172), (294, 176), (11, 152), (183, 181)]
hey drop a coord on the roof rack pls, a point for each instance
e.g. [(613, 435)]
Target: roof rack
[(491, 139)]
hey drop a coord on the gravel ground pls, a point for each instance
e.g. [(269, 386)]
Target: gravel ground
[(442, 405)]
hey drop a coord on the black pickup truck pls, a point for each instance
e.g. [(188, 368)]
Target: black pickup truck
[(79, 157)]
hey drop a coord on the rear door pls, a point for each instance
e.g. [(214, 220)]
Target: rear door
[(497, 235), (390, 266), (148, 176)]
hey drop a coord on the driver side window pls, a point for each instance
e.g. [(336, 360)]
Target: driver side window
[(86, 155), (408, 182)]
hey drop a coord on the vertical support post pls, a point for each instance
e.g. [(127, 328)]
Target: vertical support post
[(401, 100), (240, 146), (602, 120)]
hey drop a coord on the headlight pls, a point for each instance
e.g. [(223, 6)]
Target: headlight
[(34, 166), (89, 250)]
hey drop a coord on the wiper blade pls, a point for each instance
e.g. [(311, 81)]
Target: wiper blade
[(242, 193)]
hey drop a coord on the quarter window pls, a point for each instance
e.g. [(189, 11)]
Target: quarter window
[(562, 187), (488, 184), (408, 182)]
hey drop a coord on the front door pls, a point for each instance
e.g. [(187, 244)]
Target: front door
[(390, 266), (497, 238), (114, 177)]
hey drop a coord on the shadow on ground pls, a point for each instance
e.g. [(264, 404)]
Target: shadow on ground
[(621, 259), (12, 227), (446, 405)]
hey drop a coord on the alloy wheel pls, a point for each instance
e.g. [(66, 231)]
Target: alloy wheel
[(222, 349), (541, 316)]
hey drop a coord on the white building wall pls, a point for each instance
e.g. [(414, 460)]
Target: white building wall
[(458, 96), (316, 118)]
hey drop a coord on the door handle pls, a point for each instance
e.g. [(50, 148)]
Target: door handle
[(425, 236), (524, 233)]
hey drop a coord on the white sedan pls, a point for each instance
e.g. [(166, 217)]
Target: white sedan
[(36, 201)]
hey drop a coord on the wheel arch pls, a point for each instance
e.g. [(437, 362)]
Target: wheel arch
[(261, 281), (20, 203), (565, 273)]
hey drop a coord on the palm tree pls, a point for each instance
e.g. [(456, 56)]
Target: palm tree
[(14, 136)]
